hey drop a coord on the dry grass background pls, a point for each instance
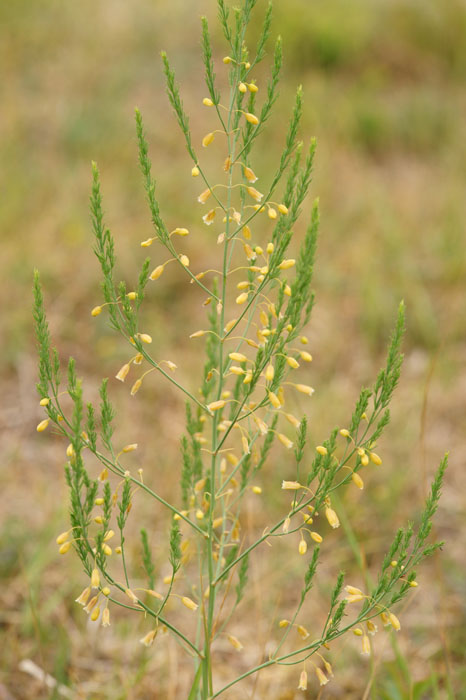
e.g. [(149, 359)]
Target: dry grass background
[(384, 91)]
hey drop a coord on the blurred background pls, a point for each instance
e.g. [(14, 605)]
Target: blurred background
[(384, 95)]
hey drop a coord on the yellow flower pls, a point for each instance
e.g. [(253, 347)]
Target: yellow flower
[(62, 537), (251, 118), (354, 598), (91, 604), (302, 631), (204, 196), (95, 578), (96, 311), (130, 448), (322, 450), (287, 264), (136, 386), (241, 298), (43, 425), (216, 405), (235, 642), (237, 357), (249, 174), (122, 373), (274, 400), (188, 603), (148, 639), (255, 194), (322, 678), (366, 645), (292, 362), (195, 171), (286, 442), (357, 480), (375, 458), (302, 681), (207, 140), (207, 102), (132, 596), (209, 217), (352, 590), (332, 517), (106, 618), (291, 485), (305, 389), (84, 596)]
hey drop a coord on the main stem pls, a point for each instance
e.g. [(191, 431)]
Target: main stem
[(207, 681)]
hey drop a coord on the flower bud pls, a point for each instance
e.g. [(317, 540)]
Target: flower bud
[(207, 140), (251, 118), (322, 678), (287, 264), (255, 194), (332, 517), (216, 405), (302, 681), (148, 639), (292, 362), (188, 603), (204, 196), (286, 442), (249, 174), (235, 642)]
